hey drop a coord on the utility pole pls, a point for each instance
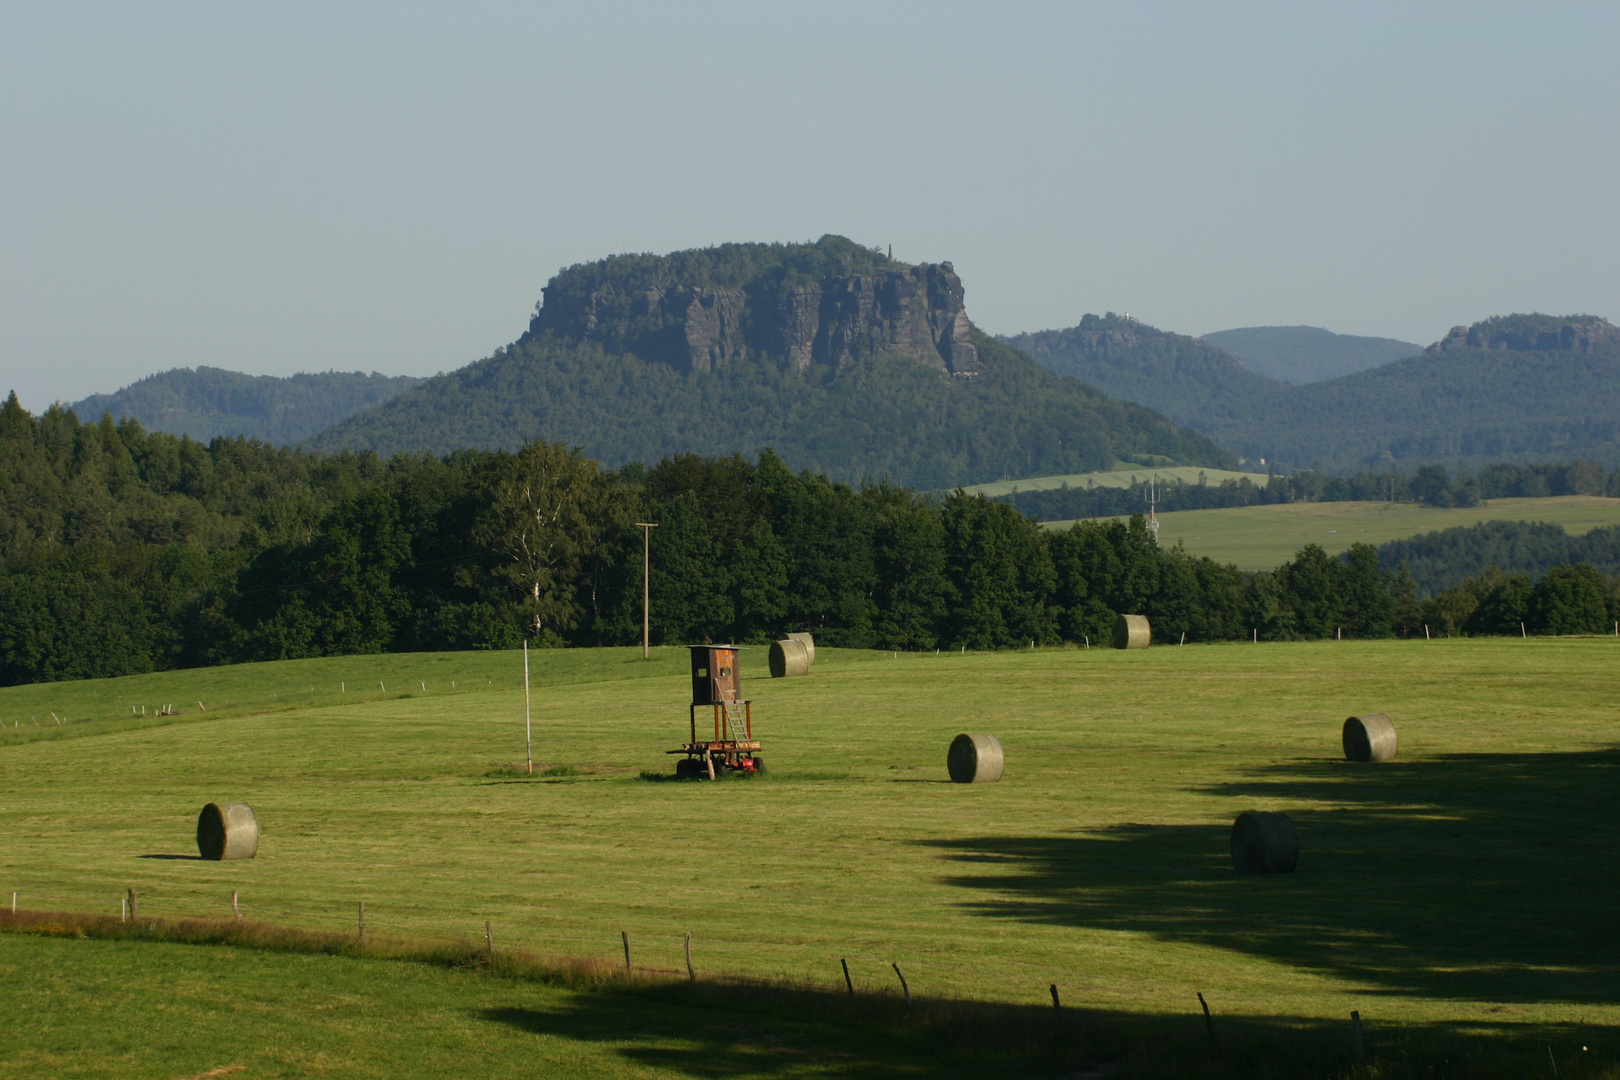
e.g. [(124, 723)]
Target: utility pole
[(646, 568), (528, 731)]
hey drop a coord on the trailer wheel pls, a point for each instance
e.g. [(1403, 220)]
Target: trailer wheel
[(759, 764), (721, 768), (683, 769)]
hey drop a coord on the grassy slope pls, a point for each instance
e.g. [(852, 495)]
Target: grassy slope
[(1099, 863), (1120, 477), (1263, 537)]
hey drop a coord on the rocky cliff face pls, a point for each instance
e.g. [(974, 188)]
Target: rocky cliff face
[(914, 312), (1532, 333)]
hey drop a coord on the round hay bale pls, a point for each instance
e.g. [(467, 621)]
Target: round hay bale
[(1132, 632), (1369, 738), (809, 645), (789, 657), (1264, 843), (975, 759), (227, 831)]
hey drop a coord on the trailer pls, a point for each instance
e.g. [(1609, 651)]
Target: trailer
[(731, 746)]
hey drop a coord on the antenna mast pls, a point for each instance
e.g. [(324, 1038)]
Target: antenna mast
[(1152, 498)]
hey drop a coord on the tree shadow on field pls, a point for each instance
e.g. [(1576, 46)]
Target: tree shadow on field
[(1482, 876), (734, 1030)]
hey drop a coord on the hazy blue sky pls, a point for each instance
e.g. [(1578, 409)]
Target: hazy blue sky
[(281, 187)]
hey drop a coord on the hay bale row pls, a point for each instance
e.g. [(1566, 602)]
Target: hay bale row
[(1264, 843), (227, 831), (975, 759), (1132, 632), (789, 657), (1369, 738)]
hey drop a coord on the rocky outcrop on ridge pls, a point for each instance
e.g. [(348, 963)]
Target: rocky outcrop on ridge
[(1532, 333), (915, 312)]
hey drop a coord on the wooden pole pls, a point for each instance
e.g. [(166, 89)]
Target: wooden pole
[(848, 982), (903, 985), (528, 730), (646, 587), (489, 940), (362, 920), (625, 934), (235, 908), (132, 905), (1057, 1006), (1355, 1028), (690, 974)]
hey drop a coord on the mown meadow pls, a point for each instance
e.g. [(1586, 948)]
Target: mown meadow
[(1460, 899)]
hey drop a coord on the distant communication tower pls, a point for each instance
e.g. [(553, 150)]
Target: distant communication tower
[(1152, 498)]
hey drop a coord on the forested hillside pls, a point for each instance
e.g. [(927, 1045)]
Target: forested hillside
[(843, 361), (1514, 388), (123, 550), (1307, 354), (208, 401)]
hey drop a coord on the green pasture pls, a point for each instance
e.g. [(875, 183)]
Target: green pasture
[(1264, 537), (1122, 476), (1466, 888)]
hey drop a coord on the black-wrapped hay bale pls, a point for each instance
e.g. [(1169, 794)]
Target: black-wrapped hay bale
[(1132, 632), (975, 759), (1369, 738), (809, 645), (789, 657), (1264, 843), (227, 831)]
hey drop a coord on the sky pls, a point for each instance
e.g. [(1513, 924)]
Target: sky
[(274, 188)]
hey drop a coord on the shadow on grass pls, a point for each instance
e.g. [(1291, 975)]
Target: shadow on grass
[(177, 858), (712, 1030), (1476, 876)]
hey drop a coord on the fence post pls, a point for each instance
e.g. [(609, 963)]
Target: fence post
[(1355, 1028), (903, 985), (690, 974), (625, 934), (362, 920)]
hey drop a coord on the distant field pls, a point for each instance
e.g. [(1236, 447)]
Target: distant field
[(1120, 478), (1263, 537), (1469, 884)]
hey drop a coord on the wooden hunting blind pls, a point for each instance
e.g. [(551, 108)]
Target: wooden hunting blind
[(717, 685)]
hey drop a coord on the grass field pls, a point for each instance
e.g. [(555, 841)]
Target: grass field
[(1466, 889), (1121, 477), (1263, 537)]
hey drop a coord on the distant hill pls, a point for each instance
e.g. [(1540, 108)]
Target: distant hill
[(1307, 354), (840, 358), (1190, 381), (208, 401), (1512, 388)]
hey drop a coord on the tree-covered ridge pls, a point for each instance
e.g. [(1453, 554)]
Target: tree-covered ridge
[(206, 402), (1306, 354), (127, 551), (875, 417), (1468, 405), (1188, 380)]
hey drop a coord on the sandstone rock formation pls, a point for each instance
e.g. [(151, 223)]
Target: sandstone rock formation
[(914, 312), (1532, 333)]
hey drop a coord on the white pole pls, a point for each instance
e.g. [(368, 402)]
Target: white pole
[(528, 731)]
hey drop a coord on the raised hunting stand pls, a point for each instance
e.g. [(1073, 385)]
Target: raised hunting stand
[(715, 683)]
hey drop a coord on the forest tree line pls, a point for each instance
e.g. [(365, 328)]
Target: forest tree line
[(1429, 484), (124, 551)]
